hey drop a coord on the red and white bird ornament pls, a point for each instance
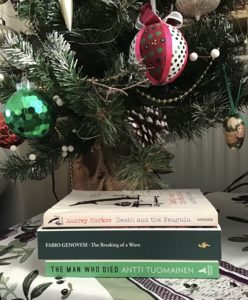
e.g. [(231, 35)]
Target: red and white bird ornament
[(159, 45)]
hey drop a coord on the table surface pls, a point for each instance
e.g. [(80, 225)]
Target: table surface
[(21, 273)]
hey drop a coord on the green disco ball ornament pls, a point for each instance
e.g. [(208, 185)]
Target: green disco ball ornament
[(29, 114)]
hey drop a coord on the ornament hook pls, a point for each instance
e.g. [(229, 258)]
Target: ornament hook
[(153, 5), (25, 84)]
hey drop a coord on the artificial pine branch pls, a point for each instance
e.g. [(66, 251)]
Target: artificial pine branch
[(22, 168), (209, 112), (104, 118), (58, 50), (141, 167), (64, 65), (20, 54), (8, 86), (40, 13), (18, 51), (222, 37), (41, 74)]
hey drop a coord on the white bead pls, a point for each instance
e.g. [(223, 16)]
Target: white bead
[(70, 148), (56, 97), (64, 148), (193, 56), (59, 102), (13, 148), (215, 53), (197, 17), (64, 154), (1, 77), (32, 157)]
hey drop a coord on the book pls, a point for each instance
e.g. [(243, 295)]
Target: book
[(128, 268), (199, 243), (178, 207)]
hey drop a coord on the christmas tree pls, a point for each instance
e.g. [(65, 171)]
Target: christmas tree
[(106, 84)]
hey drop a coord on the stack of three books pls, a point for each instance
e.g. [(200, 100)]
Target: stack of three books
[(156, 233)]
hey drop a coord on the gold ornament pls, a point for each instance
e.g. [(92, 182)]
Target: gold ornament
[(196, 8), (66, 7), (234, 131)]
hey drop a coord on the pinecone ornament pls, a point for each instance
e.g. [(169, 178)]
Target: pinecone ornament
[(148, 125)]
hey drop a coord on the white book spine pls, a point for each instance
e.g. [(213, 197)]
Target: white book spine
[(120, 219)]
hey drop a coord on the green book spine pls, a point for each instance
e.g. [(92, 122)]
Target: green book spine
[(156, 269), (131, 244)]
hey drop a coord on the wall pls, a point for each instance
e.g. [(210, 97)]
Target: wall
[(9, 15), (23, 200), (207, 163)]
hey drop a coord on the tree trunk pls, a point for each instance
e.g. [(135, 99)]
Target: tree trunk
[(90, 172)]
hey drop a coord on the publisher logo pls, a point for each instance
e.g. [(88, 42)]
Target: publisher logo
[(206, 270), (56, 220), (203, 245)]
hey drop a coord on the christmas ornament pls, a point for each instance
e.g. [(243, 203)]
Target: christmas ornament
[(13, 148), (7, 137), (159, 46), (58, 100), (234, 131), (148, 125), (64, 148), (71, 148), (28, 113), (32, 157), (64, 154), (215, 53), (193, 56), (196, 8), (234, 126), (66, 7)]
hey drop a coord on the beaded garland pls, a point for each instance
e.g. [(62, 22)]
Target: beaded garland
[(175, 99)]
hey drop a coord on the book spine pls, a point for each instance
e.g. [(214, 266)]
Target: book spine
[(114, 269), (177, 218), (129, 244)]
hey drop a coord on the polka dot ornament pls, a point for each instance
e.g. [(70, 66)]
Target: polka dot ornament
[(162, 49)]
